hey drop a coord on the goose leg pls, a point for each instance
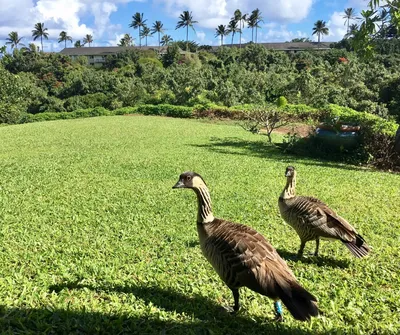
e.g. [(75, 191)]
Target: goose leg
[(300, 252), (235, 293), (316, 247)]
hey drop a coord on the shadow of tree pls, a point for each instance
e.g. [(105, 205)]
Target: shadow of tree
[(261, 149), (208, 316), (320, 260)]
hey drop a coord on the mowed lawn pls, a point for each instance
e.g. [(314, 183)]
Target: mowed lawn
[(95, 241)]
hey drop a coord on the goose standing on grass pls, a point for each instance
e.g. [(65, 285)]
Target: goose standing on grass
[(312, 220), (243, 257)]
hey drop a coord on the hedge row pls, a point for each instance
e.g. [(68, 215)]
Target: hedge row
[(368, 121)]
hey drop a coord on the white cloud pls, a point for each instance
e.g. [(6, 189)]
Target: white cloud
[(281, 35), (58, 15), (201, 35), (211, 13), (337, 27)]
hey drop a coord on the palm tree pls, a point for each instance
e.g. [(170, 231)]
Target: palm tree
[(40, 31), (146, 32), (233, 28), (237, 16), (186, 20), (221, 31), (254, 19), (352, 30), (320, 28), (126, 41), (138, 22), (88, 39), (78, 44), (64, 38), (14, 40), (349, 14), (166, 40), (157, 28)]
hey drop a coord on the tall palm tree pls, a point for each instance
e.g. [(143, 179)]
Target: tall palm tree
[(88, 39), (126, 41), (137, 23), (254, 19), (166, 40), (349, 14), (320, 28), (158, 28), (40, 31), (242, 19), (78, 44), (14, 40), (233, 28), (221, 31), (64, 38), (146, 32), (186, 20)]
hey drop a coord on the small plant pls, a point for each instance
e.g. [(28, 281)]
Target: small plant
[(265, 118)]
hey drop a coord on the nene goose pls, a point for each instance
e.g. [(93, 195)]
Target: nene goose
[(312, 220), (243, 257)]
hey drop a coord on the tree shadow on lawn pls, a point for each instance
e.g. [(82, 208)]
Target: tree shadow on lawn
[(209, 317), (270, 151), (320, 260)]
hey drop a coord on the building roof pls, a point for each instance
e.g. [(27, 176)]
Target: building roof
[(287, 46)]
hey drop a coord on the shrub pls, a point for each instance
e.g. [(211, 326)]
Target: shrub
[(167, 110), (126, 110)]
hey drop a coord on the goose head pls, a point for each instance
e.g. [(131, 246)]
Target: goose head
[(290, 172), (191, 180)]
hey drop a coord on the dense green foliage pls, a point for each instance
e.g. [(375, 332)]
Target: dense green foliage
[(95, 241), (231, 76)]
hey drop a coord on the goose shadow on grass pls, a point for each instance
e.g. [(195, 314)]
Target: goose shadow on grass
[(319, 260), (271, 151), (209, 318)]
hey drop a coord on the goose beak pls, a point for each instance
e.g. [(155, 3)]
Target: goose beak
[(179, 184), (287, 174)]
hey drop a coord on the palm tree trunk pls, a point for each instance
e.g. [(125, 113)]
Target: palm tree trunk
[(319, 37), (222, 40), (159, 47), (252, 34), (65, 43), (41, 42), (240, 35), (256, 34), (233, 35), (187, 37), (140, 41)]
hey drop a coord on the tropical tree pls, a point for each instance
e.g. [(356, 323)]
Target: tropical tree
[(88, 39), (254, 19), (221, 31), (146, 32), (353, 28), (137, 23), (40, 31), (233, 28), (300, 39), (166, 40), (64, 38), (157, 28), (14, 40), (242, 19), (320, 28), (349, 15), (186, 20), (78, 44), (126, 41)]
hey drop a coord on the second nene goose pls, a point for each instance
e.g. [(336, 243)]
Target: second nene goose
[(312, 220), (243, 257)]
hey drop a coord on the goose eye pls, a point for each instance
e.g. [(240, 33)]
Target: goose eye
[(188, 178)]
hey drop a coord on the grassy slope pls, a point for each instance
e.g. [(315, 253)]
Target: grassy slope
[(93, 238)]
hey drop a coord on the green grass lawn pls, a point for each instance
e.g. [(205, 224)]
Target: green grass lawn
[(94, 239)]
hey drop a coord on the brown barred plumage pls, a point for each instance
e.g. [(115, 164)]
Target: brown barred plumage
[(243, 257), (313, 219)]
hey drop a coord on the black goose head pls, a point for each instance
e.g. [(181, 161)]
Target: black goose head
[(290, 172), (190, 179)]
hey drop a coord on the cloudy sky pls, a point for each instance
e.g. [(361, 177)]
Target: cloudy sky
[(107, 21)]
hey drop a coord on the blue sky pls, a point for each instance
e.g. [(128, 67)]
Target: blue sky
[(107, 21)]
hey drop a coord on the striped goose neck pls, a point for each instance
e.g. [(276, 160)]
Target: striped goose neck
[(289, 192), (204, 213)]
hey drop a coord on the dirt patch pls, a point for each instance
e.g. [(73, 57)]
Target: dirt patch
[(300, 129)]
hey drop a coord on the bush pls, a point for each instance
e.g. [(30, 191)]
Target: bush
[(125, 110), (166, 110)]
